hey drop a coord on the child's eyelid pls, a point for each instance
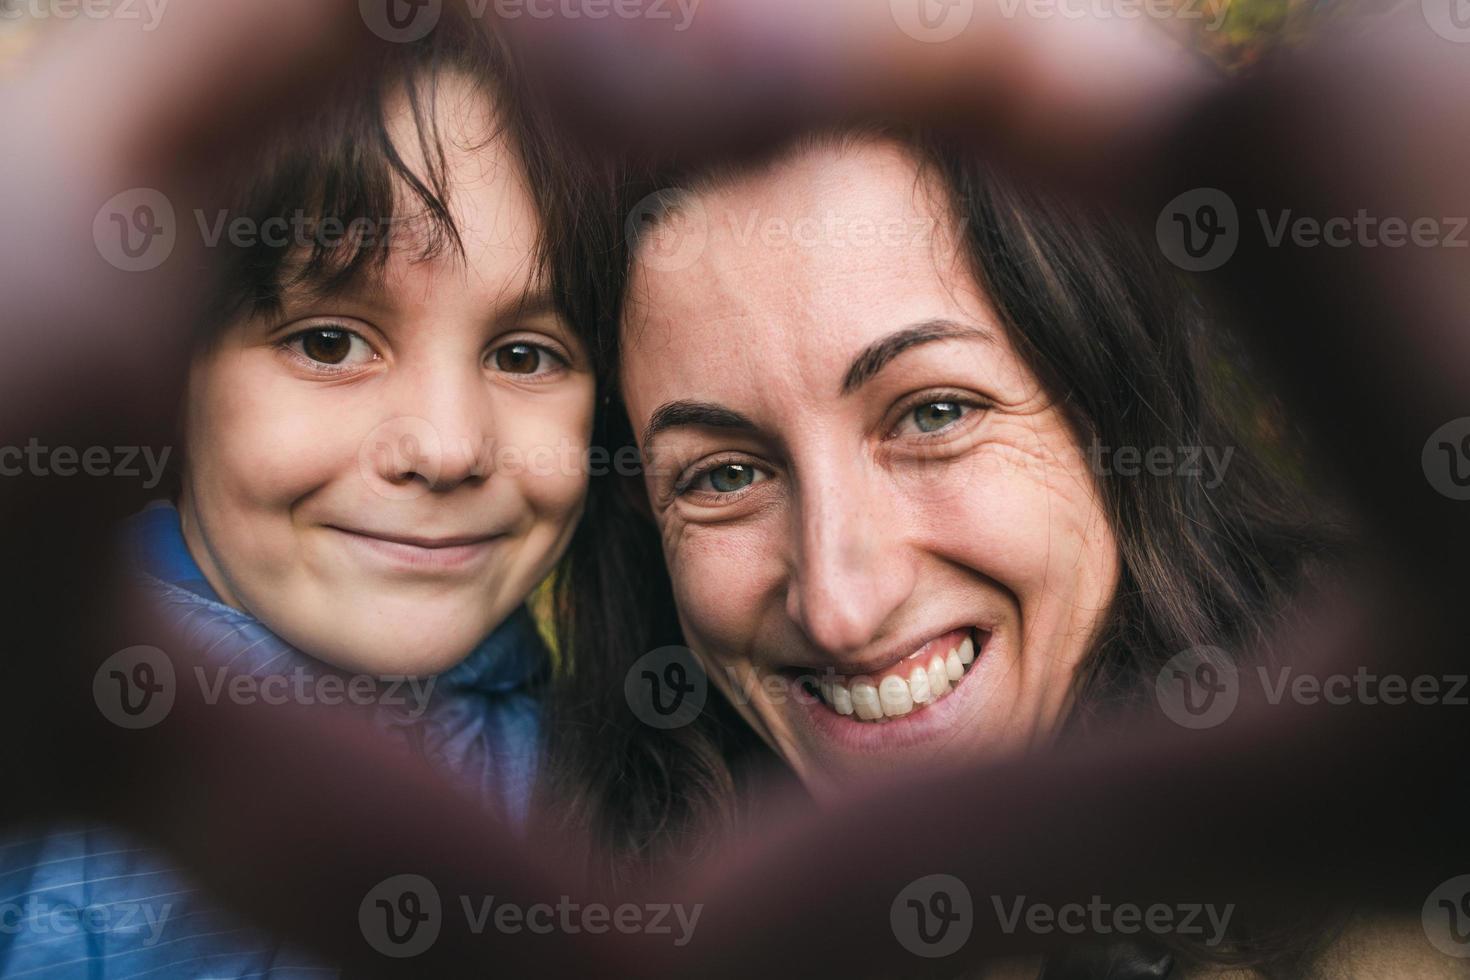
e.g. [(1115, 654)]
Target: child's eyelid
[(361, 329), (554, 364), (287, 345), (540, 341)]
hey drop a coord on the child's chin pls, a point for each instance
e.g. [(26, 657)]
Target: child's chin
[(394, 653)]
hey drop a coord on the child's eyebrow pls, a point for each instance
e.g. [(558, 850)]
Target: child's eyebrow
[(295, 288), (537, 301), (367, 291)]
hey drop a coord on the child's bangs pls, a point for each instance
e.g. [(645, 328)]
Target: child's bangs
[(328, 203)]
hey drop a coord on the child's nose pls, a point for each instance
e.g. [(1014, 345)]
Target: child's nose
[(445, 439)]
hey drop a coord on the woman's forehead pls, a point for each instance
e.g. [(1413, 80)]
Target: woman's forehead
[(810, 260)]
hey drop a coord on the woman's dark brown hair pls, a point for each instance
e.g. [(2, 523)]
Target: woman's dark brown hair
[(1119, 339)]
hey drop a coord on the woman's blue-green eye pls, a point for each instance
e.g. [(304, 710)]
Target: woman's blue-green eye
[(731, 478), (937, 415)]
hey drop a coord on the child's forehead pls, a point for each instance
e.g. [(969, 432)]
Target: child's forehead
[(453, 120), (420, 198), (480, 244), (409, 280)]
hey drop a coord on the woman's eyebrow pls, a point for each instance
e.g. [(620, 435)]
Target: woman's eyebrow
[(674, 415), (876, 356)]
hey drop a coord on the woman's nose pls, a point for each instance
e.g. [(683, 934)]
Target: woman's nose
[(851, 571), (442, 436)]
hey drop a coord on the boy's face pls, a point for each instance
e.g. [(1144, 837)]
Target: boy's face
[(383, 477)]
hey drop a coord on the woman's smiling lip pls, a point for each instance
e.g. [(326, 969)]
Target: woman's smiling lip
[(911, 729), (879, 665), (418, 553)]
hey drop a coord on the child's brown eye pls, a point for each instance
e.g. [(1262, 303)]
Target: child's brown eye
[(327, 346), (331, 347), (518, 359)]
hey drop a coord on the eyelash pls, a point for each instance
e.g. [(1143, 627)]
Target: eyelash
[(562, 361), (287, 344), (686, 484), (975, 406)]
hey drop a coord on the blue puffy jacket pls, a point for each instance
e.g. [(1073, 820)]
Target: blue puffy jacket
[(89, 902)]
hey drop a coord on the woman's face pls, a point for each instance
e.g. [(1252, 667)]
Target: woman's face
[(885, 543)]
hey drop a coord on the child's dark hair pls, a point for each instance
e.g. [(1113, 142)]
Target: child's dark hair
[(328, 198)]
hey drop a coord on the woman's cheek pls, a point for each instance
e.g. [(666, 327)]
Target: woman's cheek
[(722, 577), (1020, 508)]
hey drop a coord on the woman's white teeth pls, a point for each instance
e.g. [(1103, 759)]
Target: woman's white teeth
[(865, 700), (841, 698), (938, 676), (919, 686), (896, 695)]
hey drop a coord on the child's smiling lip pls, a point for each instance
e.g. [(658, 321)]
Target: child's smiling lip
[(419, 553)]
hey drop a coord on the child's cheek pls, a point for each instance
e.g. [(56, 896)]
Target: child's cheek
[(256, 444), (277, 447), (553, 465)]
